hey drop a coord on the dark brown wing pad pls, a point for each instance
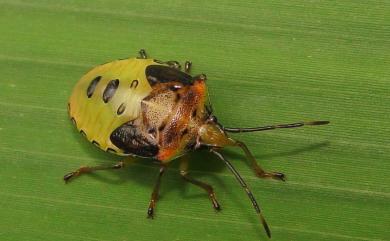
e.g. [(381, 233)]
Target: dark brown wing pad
[(164, 74), (131, 140)]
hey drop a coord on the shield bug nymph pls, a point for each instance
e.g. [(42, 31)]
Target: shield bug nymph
[(144, 107)]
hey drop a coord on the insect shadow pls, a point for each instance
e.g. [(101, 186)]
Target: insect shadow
[(202, 165), (264, 157)]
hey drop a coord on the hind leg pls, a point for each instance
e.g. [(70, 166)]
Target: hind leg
[(86, 169), (208, 188)]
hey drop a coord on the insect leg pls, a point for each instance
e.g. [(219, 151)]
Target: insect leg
[(258, 170), (173, 64), (154, 196), (246, 188), (86, 169), (142, 54), (208, 188), (187, 66)]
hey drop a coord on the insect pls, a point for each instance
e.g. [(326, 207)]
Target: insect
[(148, 108)]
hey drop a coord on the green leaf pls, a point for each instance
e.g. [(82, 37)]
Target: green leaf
[(267, 62)]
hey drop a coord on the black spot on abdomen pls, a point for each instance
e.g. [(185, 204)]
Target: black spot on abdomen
[(110, 90), (92, 86), (83, 133), (121, 109), (96, 143), (110, 150), (74, 121), (134, 84)]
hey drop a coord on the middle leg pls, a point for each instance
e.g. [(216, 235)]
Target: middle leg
[(208, 188), (155, 193)]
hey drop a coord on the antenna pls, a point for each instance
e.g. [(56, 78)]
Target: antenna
[(272, 127), (247, 190)]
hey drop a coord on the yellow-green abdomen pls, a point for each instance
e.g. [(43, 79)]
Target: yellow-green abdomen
[(108, 96)]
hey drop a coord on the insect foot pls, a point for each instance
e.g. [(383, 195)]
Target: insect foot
[(274, 175), (151, 212), (68, 176), (78, 172), (279, 176), (216, 205)]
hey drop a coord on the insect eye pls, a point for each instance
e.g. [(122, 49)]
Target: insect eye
[(213, 118)]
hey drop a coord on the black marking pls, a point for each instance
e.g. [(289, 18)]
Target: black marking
[(68, 107), (73, 121), (160, 128), (110, 150), (110, 89), (153, 133), (96, 143), (134, 84), (83, 133), (164, 74), (121, 109), (130, 139), (185, 132), (152, 130), (194, 113), (92, 86), (158, 61), (178, 97)]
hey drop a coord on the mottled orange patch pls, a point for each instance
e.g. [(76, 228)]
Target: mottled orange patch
[(171, 142), (200, 87)]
